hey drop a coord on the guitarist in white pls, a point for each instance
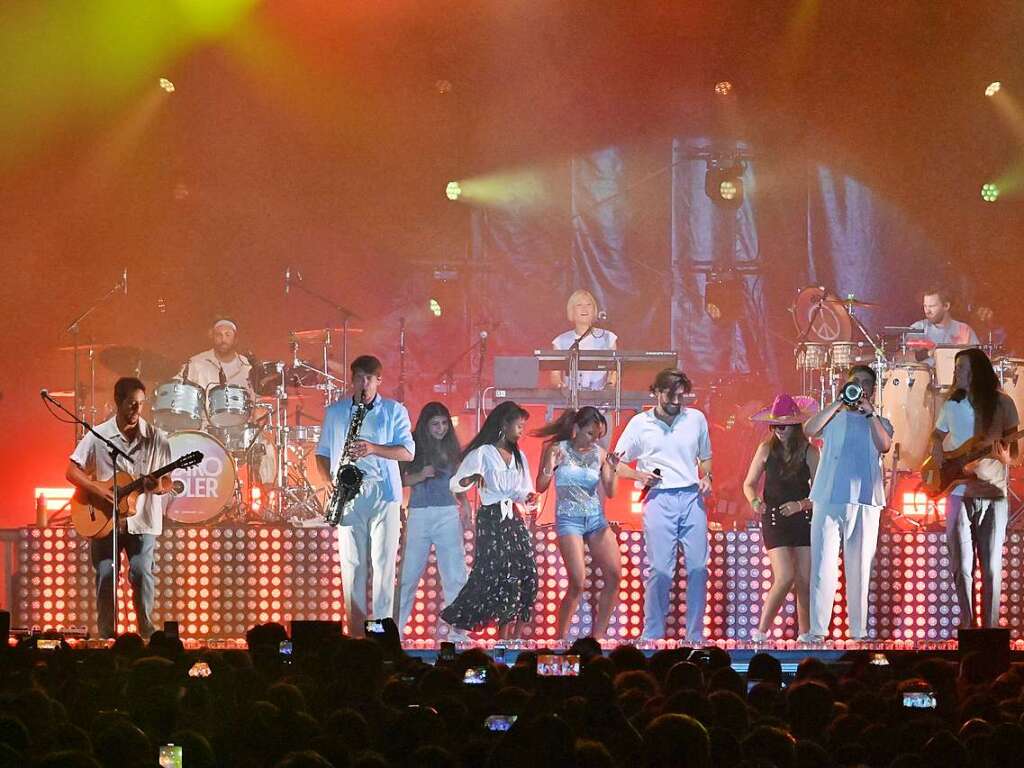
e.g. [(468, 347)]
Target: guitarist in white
[(149, 449), (977, 415)]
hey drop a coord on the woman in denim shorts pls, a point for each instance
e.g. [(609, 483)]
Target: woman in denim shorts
[(582, 471)]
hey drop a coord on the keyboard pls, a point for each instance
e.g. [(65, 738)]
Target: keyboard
[(604, 359)]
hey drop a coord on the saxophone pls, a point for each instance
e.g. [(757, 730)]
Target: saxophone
[(349, 478)]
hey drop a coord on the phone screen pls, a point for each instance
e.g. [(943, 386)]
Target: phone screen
[(549, 665), (447, 653), (373, 627), (47, 643), (475, 676), (170, 756), (498, 654), (200, 669), (499, 722), (919, 700)]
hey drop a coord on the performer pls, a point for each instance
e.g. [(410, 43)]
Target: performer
[(220, 364), (938, 324), (90, 466), (977, 510), (434, 517), (668, 444), (368, 535), (503, 583), (848, 498), (581, 310), (583, 472), (787, 461)]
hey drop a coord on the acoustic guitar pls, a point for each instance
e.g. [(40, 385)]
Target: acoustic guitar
[(93, 516), (937, 481)]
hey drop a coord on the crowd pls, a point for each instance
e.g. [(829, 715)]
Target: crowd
[(364, 703)]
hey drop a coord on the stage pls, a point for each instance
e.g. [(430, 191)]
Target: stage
[(217, 582)]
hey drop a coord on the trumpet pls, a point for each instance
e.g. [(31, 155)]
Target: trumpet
[(851, 393)]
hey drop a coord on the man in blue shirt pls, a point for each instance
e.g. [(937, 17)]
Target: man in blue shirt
[(369, 532)]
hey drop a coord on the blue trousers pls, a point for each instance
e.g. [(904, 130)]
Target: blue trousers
[(675, 517), (139, 549)]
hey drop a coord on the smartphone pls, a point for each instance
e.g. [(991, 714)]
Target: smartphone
[(499, 723), (284, 650), (498, 654), (373, 627), (171, 630), (879, 660), (447, 653), (919, 700), (47, 643), (200, 669), (699, 656), (549, 665), (170, 756), (475, 676)]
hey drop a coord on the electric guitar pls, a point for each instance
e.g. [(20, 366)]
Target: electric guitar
[(93, 516), (937, 481)]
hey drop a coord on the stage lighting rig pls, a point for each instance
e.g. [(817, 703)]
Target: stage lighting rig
[(166, 85), (993, 88), (723, 182), (453, 191), (989, 192)]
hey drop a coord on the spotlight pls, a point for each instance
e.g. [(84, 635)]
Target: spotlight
[(166, 85), (723, 182), (453, 191), (435, 307), (989, 192), (993, 88), (443, 86), (723, 88)]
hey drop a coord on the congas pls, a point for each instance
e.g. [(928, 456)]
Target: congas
[(178, 405), (209, 487), (842, 354), (944, 363), (305, 434), (812, 357), (908, 401), (228, 405)]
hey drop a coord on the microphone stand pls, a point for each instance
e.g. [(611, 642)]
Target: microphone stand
[(74, 328), (574, 369), (344, 313), (115, 452), (448, 372)]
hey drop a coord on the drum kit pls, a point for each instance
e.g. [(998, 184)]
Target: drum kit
[(257, 443), (911, 386)]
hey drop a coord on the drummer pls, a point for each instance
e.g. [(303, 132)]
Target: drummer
[(222, 364), (938, 325)]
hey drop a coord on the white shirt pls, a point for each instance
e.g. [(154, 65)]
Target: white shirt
[(149, 451), (599, 338), (204, 369), (675, 449), (956, 419), (503, 483), (850, 467)]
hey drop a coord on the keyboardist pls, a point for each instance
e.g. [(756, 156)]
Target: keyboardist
[(581, 310)]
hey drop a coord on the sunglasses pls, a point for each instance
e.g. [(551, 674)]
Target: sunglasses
[(782, 426)]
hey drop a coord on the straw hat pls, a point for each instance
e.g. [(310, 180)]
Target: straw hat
[(787, 410)]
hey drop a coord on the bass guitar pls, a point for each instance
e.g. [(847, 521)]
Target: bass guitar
[(936, 481), (93, 516)]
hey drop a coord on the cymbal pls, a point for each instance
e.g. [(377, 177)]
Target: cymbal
[(852, 301), (895, 330), (84, 347), (318, 333), (131, 361)]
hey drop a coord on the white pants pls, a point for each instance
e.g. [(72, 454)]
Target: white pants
[(856, 527), (441, 527), (369, 539)]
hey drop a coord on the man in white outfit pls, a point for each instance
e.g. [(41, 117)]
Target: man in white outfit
[(848, 498)]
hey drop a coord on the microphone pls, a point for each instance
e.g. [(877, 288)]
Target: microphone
[(124, 280), (647, 488), (287, 280), (602, 315), (483, 346)]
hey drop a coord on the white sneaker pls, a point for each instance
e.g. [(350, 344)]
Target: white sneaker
[(757, 636), (808, 639)]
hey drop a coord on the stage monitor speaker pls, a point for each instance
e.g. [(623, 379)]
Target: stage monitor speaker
[(5, 628), (309, 635), (992, 646)]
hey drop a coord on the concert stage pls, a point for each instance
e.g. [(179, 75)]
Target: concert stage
[(217, 582)]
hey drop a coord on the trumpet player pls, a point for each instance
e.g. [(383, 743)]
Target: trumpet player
[(847, 498), (369, 531)]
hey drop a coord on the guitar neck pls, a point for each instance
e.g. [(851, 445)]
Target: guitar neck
[(136, 485), (986, 449)]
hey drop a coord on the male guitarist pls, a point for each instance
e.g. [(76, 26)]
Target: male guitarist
[(977, 512), (148, 449)]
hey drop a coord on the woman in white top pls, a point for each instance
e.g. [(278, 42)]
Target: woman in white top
[(581, 311), (503, 583)]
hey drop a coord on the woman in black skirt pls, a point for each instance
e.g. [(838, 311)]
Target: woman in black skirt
[(787, 461), (503, 583)]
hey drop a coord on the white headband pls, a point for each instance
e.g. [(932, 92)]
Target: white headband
[(227, 322)]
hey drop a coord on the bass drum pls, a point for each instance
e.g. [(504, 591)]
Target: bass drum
[(908, 401), (209, 487)]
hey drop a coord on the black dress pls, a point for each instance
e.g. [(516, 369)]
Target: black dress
[(779, 530), (502, 586)]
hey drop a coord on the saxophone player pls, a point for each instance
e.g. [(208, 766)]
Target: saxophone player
[(369, 532)]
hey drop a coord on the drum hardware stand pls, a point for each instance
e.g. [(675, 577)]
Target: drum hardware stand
[(448, 374), (115, 519), (346, 315), (74, 328), (400, 389)]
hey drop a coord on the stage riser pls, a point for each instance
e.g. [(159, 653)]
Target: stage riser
[(217, 582)]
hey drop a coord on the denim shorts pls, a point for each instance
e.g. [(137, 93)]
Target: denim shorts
[(580, 526)]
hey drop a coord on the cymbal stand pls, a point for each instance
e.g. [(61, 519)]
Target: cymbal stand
[(346, 315)]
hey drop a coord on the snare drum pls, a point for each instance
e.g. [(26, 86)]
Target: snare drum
[(908, 401), (811, 357), (178, 405), (309, 434), (228, 405), (209, 487)]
